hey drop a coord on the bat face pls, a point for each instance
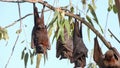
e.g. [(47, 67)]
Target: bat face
[(79, 48), (110, 59)]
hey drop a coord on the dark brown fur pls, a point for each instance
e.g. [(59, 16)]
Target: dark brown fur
[(40, 39), (64, 49), (79, 48), (111, 59)]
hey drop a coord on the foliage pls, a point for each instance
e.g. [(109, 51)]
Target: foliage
[(58, 23), (3, 34)]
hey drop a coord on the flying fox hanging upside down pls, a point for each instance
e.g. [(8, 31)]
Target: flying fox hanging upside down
[(79, 48), (40, 39), (111, 59), (64, 49)]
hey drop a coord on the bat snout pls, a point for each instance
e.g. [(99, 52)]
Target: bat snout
[(39, 49)]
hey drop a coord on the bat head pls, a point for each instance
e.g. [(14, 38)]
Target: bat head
[(39, 49)]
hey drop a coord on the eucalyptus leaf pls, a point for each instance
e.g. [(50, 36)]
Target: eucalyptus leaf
[(95, 17), (26, 59), (89, 19), (5, 34), (31, 57), (110, 2), (93, 3), (93, 13), (67, 26), (88, 30), (23, 54), (115, 10), (58, 33), (53, 20)]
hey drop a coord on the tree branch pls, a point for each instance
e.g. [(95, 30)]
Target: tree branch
[(113, 35), (82, 20), (74, 16)]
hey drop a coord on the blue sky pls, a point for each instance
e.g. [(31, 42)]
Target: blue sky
[(9, 13)]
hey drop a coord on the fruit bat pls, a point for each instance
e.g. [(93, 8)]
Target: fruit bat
[(64, 49), (111, 59), (40, 40), (79, 48)]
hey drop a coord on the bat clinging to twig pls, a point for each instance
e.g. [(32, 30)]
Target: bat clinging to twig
[(79, 48), (111, 59), (40, 39), (64, 49)]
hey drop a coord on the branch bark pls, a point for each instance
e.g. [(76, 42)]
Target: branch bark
[(67, 14)]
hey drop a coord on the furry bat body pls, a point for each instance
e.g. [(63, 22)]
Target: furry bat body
[(40, 39), (79, 48), (64, 49), (111, 59)]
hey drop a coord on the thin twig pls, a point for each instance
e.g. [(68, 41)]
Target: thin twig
[(16, 38), (114, 35), (20, 16), (21, 19), (106, 25), (12, 51)]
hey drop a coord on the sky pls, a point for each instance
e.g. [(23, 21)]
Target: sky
[(9, 14)]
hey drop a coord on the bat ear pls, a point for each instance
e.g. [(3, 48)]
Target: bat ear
[(97, 51), (80, 30)]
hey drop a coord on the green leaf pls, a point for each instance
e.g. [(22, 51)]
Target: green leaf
[(23, 54), (50, 31), (62, 35), (88, 30), (23, 41), (31, 56), (95, 17), (89, 19), (59, 19), (58, 33), (39, 56), (93, 13), (115, 10), (54, 37), (53, 19), (110, 5), (93, 3), (110, 2), (72, 11), (109, 8), (67, 26), (26, 59)]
